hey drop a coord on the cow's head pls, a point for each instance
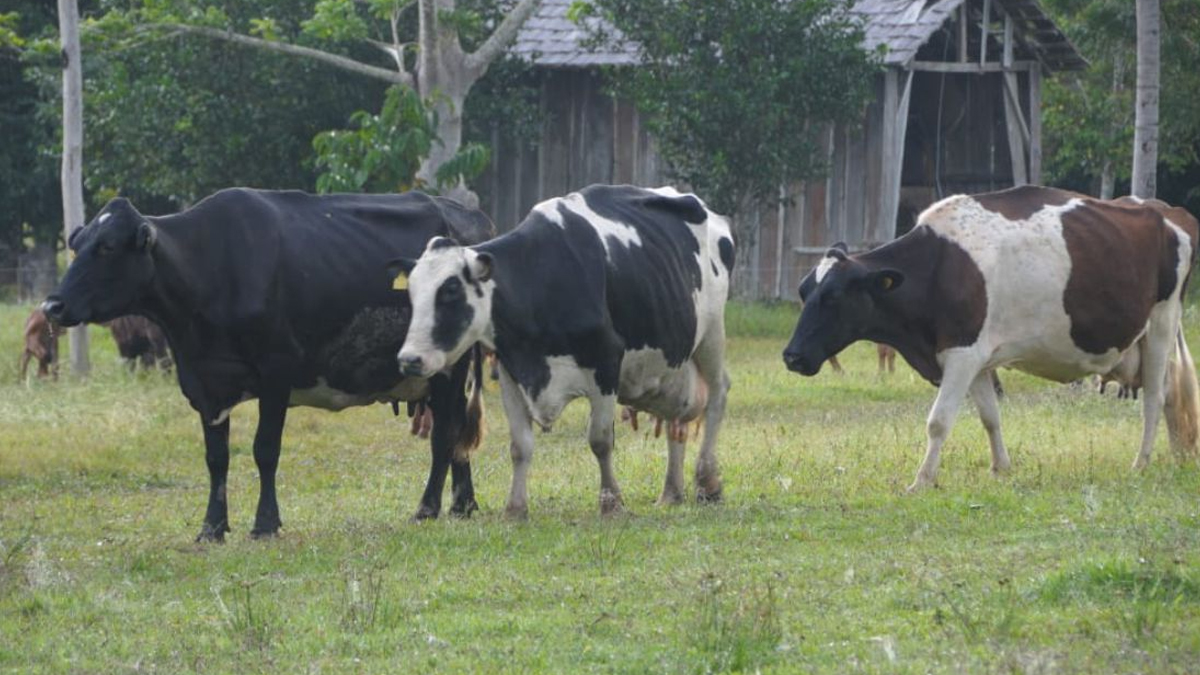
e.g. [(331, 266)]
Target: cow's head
[(451, 292), (841, 299), (112, 270)]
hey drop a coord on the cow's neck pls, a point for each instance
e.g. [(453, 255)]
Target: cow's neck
[(908, 322), (175, 287)]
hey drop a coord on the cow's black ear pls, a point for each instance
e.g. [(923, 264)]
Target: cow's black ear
[(838, 250), (398, 271), (73, 236), (885, 281), (483, 266), (807, 285), (146, 236)]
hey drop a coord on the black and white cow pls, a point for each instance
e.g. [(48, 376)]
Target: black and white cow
[(613, 293), (1022, 278), (284, 297)]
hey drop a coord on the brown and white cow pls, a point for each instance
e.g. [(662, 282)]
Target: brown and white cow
[(1022, 278)]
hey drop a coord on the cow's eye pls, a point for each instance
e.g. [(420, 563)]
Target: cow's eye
[(450, 292)]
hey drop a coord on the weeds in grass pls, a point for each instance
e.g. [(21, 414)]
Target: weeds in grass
[(606, 548), (733, 631), (13, 553), (253, 630), (366, 605), (993, 617)]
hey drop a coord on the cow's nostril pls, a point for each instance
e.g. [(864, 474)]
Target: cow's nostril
[(53, 308), (410, 365)]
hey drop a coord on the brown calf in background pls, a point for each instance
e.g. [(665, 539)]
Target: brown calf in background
[(139, 339), (41, 343)]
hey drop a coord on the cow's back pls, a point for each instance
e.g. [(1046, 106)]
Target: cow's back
[(1057, 264)]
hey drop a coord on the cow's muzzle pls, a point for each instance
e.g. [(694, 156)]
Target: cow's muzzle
[(56, 311), (798, 363), (412, 366)]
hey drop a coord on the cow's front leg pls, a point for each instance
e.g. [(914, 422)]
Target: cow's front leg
[(600, 438), (672, 492), (216, 456), (272, 411), (520, 429), (1156, 350), (958, 374)]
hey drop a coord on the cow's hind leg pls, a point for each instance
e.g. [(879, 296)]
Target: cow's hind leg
[(959, 372), (272, 411), (600, 438), (673, 491), (710, 361), (216, 456), (984, 395), (520, 429), (1156, 348)]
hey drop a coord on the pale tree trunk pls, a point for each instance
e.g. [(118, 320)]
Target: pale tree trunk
[(72, 159), (1107, 180), (444, 73), (1145, 126)]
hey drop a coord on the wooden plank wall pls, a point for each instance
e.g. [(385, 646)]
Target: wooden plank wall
[(586, 138)]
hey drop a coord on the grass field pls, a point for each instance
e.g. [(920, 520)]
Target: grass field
[(816, 561)]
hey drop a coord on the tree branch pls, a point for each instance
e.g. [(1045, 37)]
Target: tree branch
[(336, 60), (478, 61)]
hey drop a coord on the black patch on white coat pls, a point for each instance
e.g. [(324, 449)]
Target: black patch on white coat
[(725, 248), (452, 314), (559, 293)]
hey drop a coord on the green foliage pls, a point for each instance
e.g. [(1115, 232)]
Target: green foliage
[(336, 20), (1089, 116), (738, 91), (382, 153)]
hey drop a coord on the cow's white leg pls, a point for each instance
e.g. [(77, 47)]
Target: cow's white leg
[(984, 395), (600, 438), (959, 372), (710, 361), (672, 492), (1158, 342), (520, 430)]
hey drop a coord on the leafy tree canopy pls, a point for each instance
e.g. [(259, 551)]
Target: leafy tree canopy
[(738, 91), (1089, 116)]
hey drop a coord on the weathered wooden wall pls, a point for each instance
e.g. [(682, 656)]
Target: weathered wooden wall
[(587, 137)]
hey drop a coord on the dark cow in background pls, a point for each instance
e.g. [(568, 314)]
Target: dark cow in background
[(613, 293), (1022, 278), (140, 340), (40, 344), (284, 297)]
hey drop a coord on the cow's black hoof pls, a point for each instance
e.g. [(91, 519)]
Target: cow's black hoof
[(464, 509), (209, 533), (709, 496), (424, 513)]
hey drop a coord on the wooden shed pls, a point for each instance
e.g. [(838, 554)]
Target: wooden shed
[(956, 109)]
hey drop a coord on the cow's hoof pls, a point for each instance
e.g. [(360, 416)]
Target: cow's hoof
[(264, 533), (424, 513), (208, 534), (919, 485), (518, 513), (610, 503), (1140, 463), (464, 509), (712, 495), (670, 498)]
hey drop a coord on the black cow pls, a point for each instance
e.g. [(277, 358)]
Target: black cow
[(284, 297), (613, 293)]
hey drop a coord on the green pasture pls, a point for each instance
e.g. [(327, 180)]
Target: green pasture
[(815, 562)]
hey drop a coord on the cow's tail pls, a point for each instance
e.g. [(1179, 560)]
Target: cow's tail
[(1182, 406), (472, 432)]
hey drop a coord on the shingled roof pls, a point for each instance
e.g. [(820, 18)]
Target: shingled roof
[(550, 39)]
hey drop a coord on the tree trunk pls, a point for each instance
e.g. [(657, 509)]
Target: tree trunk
[(72, 159), (1145, 126), (1107, 180)]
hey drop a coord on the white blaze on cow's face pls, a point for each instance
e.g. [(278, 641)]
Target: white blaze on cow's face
[(451, 290)]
